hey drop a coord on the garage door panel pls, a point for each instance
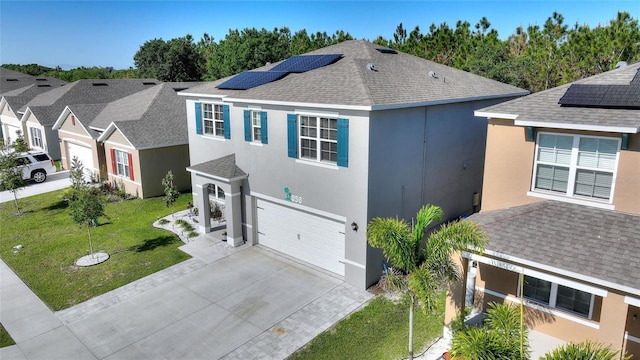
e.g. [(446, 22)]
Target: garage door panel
[(310, 238), (84, 154)]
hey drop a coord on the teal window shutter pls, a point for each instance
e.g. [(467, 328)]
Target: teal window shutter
[(263, 127), (292, 135), (198, 119), (343, 142), (227, 125), (247, 125)]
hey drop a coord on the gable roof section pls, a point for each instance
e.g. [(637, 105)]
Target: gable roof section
[(224, 168), (11, 80), (601, 244), (84, 113), (399, 80), (156, 117), (542, 109), (48, 106)]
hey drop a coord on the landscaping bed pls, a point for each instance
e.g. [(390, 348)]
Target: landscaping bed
[(51, 242)]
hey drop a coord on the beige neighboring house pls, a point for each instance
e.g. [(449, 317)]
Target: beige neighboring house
[(41, 113), (16, 89), (561, 206), (143, 136)]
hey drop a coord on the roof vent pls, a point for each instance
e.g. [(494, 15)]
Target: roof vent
[(386, 51), (44, 85), (433, 74), (41, 79), (100, 84), (372, 67), (149, 83), (178, 89), (12, 79)]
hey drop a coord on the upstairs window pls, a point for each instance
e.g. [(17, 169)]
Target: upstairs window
[(576, 166), (255, 126), (212, 120), (318, 138), (36, 138)]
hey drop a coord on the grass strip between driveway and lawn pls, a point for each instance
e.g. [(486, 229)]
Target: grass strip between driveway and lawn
[(52, 242), (5, 338), (379, 331)]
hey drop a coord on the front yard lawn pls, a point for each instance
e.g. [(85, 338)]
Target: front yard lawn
[(5, 338), (379, 331), (52, 242)]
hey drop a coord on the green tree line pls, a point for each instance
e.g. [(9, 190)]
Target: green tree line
[(535, 58)]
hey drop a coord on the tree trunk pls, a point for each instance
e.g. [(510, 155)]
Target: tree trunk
[(90, 246), (411, 328), (15, 199)]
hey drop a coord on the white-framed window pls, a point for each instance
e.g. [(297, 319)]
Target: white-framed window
[(576, 166), (558, 296), (318, 138), (212, 119), (36, 137), (122, 163), (256, 126), (216, 193)]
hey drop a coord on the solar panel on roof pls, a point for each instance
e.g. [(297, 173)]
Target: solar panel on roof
[(602, 96), (304, 63), (250, 79), (323, 60)]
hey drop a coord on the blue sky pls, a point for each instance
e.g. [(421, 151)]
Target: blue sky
[(108, 33)]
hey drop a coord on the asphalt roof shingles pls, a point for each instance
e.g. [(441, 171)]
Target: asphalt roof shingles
[(543, 107), (224, 167), (602, 244), (399, 80)]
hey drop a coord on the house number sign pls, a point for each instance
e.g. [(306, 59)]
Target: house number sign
[(290, 197)]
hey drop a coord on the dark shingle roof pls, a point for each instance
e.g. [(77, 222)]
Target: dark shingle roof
[(48, 106), (542, 108), (18, 88), (150, 118), (602, 244), (85, 113), (224, 167), (399, 80)]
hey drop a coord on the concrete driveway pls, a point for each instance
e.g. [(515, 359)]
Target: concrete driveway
[(57, 181), (245, 303)]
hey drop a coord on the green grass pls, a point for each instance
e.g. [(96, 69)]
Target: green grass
[(53, 242), (5, 338), (378, 331)]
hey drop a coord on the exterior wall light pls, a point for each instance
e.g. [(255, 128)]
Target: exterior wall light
[(354, 226)]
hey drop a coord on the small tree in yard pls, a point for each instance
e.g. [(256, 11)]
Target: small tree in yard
[(19, 144), (85, 209), (11, 173), (421, 275), (76, 174), (171, 193)]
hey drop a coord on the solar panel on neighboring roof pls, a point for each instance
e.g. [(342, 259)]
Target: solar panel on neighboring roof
[(602, 96), (386, 51), (251, 79)]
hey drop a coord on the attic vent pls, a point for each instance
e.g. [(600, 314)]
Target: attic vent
[(372, 67), (100, 84), (433, 74), (149, 83), (177, 89), (41, 79), (44, 85), (621, 64), (386, 51), (12, 79)]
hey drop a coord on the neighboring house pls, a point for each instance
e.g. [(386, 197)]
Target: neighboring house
[(41, 113), (16, 89), (302, 154), (561, 206), (144, 136)]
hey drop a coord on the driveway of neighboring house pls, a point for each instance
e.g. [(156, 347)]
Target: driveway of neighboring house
[(57, 181), (224, 303)]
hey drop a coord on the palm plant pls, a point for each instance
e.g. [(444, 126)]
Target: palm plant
[(587, 350), (421, 275)]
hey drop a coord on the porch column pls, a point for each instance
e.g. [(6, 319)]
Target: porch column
[(613, 320), (456, 293), (233, 215), (202, 203)]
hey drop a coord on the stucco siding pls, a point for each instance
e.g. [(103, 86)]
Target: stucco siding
[(154, 165), (69, 126), (132, 187), (626, 197), (118, 138), (7, 111)]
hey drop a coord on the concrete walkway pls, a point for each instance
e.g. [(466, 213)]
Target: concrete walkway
[(224, 303)]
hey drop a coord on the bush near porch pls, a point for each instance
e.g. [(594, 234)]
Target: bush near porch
[(52, 242)]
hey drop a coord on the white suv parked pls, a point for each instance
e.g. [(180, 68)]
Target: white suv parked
[(36, 165)]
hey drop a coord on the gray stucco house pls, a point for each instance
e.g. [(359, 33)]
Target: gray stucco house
[(305, 152)]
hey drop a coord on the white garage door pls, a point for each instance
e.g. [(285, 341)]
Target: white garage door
[(84, 154), (310, 238)]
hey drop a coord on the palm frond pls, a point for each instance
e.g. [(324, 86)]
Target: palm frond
[(393, 236)]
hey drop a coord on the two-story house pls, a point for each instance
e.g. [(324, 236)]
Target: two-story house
[(303, 153), (561, 206)]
